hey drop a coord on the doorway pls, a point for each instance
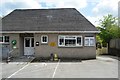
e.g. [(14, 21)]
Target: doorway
[(28, 46)]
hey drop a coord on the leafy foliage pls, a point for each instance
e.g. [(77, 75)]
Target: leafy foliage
[(109, 29)]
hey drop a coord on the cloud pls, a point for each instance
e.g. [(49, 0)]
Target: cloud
[(22, 3), (9, 5), (106, 6), (64, 3), (94, 19)]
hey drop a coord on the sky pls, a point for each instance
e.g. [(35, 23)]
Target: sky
[(93, 10)]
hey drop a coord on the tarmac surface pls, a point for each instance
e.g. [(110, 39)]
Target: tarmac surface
[(101, 67)]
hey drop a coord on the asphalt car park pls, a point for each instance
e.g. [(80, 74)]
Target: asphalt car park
[(101, 67)]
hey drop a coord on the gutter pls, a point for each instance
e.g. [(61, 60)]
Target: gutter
[(49, 31)]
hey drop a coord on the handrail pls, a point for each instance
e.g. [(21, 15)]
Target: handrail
[(9, 55), (11, 51)]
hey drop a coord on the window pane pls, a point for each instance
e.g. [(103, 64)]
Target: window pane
[(1, 39), (44, 39), (61, 41), (27, 42), (79, 40), (32, 42), (70, 42), (91, 41), (87, 42), (6, 38)]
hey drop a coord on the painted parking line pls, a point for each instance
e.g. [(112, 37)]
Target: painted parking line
[(55, 69), (17, 71), (28, 63)]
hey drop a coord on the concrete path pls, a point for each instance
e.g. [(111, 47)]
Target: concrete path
[(0, 70)]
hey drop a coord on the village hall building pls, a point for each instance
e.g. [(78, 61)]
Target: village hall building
[(42, 32)]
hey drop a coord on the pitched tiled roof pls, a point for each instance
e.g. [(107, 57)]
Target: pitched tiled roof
[(60, 19)]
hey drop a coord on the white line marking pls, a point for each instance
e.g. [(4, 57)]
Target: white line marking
[(18, 71), (55, 69)]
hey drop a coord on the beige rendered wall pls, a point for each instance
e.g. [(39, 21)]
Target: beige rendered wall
[(44, 50)]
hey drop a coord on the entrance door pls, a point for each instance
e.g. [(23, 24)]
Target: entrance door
[(28, 46)]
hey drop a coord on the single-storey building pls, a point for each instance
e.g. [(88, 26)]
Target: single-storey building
[(41, 32)]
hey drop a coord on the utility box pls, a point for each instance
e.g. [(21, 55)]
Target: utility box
[(5, 50)]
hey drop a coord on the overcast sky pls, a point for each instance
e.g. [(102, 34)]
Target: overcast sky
[(93, 10)]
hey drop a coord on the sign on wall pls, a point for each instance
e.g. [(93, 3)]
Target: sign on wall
[(52, 44)]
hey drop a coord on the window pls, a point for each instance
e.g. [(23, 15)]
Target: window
[(27, 42), (61, 41), (79, 40), (32, 42), (44, 39), (1, 38), (89, 41), (4, 39), (70, 41)]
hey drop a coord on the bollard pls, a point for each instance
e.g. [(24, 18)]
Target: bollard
[(55, 57)]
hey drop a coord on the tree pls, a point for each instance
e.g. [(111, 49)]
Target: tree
[(109, 29)]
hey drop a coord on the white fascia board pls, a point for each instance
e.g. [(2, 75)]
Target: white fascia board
[(49, 31)]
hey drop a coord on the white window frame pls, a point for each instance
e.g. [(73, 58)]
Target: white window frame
[(64, 37), (89, 38), (4, 39), (42, 39)]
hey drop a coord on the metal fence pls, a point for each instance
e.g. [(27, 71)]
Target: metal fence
[(114, 47)]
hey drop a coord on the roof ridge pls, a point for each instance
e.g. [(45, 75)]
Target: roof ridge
[(44, 9)]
